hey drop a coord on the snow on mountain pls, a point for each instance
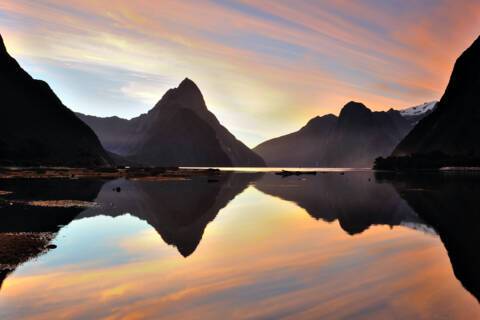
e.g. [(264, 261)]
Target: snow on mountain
[(418, 110)]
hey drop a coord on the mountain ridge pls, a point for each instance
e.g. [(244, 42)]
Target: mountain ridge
[(36, 128), (354, 138)]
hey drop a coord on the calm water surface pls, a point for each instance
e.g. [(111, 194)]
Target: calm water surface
[(249, 246)]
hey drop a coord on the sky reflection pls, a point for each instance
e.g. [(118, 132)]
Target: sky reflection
[(262, 257)]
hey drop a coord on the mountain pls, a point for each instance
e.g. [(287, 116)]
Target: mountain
[(416, 113), (302, 148), (354, 139), (36, 128), (362, 135), (115, 134), (452, 128), (178, 131)]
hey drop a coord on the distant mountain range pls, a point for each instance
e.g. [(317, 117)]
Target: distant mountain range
[(353, 139), (36, 129), (178, 131)]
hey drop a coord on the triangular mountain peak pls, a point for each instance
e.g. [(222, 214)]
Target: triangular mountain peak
[(186, 95), (178, 131), (188, 85)]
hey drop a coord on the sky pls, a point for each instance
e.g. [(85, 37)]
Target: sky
[(264, 67)]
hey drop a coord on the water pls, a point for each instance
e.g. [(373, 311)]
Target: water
[(250, 246), (277, 169)]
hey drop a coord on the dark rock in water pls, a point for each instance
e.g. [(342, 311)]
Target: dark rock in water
[(286, 173), (178, 131), (36, 128), (354, 139), (452, 128), (51, 246)]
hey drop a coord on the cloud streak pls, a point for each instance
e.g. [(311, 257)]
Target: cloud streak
[(265, 67)]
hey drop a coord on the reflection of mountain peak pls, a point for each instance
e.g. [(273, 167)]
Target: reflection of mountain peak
[(178, 210), (352, 199)]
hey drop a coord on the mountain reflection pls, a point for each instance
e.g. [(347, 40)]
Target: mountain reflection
[(354, 199), (178, 210), (449, 203)]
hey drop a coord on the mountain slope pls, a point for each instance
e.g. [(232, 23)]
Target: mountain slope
[(452, 128), (302, 148), (115, 134), (178, 131), (362, 135), (354, 139), (184, 139), (36, 128)]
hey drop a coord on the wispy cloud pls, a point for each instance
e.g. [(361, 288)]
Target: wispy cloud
[(265, 67)]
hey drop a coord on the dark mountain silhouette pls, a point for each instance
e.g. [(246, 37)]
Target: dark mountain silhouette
[(354, 139), (116, 134), (449, 203), (452, 128), (354, 199), (178, 210), (36, 128), (303, 148), (178, 131)]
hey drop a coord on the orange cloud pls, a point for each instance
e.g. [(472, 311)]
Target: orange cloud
[(263, 74)]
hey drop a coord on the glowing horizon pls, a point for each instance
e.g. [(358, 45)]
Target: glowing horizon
[(264, 67)]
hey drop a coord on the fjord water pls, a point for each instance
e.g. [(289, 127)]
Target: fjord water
[(353, 245)]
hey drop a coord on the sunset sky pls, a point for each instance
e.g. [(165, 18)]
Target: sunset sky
[(264, 67)]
